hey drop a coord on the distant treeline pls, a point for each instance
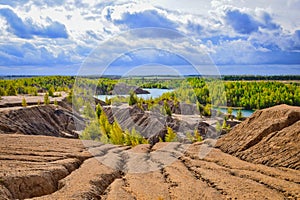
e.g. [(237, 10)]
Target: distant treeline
[(34, 85), (256, 78), (260, 92), (246, 94)]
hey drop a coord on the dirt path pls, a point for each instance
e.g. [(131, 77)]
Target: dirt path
[(15, 102)]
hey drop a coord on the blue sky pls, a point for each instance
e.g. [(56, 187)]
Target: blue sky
[(57, 36)]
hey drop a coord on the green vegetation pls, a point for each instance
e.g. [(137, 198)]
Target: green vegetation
[(229, 110), (225, 126), (51, 91), (55, 102), (88, 111), (132, 98), (34, 85), (239, 115), (98, 110), (46, 99), (24, 103), (100, 129), (11, 90), (264, 78), (204, 93), (171, 136), (196, 137), (167, 109), (249, 95), (133, 138), (218, 126), (237, 93)]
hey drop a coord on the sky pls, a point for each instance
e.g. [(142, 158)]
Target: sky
[(63, 36)]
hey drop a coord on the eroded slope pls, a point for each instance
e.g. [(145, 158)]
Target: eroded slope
[(270, 136)]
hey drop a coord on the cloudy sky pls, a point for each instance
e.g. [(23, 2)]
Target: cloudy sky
[(57, 36)]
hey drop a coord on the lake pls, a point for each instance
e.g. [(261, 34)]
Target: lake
[(154, 93), (246, 113)]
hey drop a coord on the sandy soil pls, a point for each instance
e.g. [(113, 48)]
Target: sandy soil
[(56, 168), (15, 102)]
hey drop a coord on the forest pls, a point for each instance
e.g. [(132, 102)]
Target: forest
[(244, 94)]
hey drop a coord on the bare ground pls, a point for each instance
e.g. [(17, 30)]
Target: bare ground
[(43, 167), (258, 159)]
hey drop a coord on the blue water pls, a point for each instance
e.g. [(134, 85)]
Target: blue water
[(154, 93), (246, 113)]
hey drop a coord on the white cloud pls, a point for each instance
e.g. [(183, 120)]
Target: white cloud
[(89, 23)]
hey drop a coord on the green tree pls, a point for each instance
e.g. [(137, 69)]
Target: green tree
[(224, 125), (219, 113), (88, 111), (51, 91), (46, 99), (190, 137), (24, 103), (107, 101), (92, 131), (229, 110), (167, 109), (70, 96), (132, 98), (218, 126), (239, 115), (2, 92), (171, 136), (116, 134), (207, 110), (98, 110), (11, 91), (197, 136)]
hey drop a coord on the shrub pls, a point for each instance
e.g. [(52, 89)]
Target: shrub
[(207, 110), (55, 102), (101, 129), (197, 136), (225, 126), (171, 136), (167, 109), (24, 103), (229, 110), (98, 110), (2, 92), (92, 131), (219, 113), (11, 91), (70, 97), (51, 91), (218, 126), (88, 111), (190, 137), (134, 138), (107, 101), (239, 115), (46, 99), (132, 98), (116, 134)]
